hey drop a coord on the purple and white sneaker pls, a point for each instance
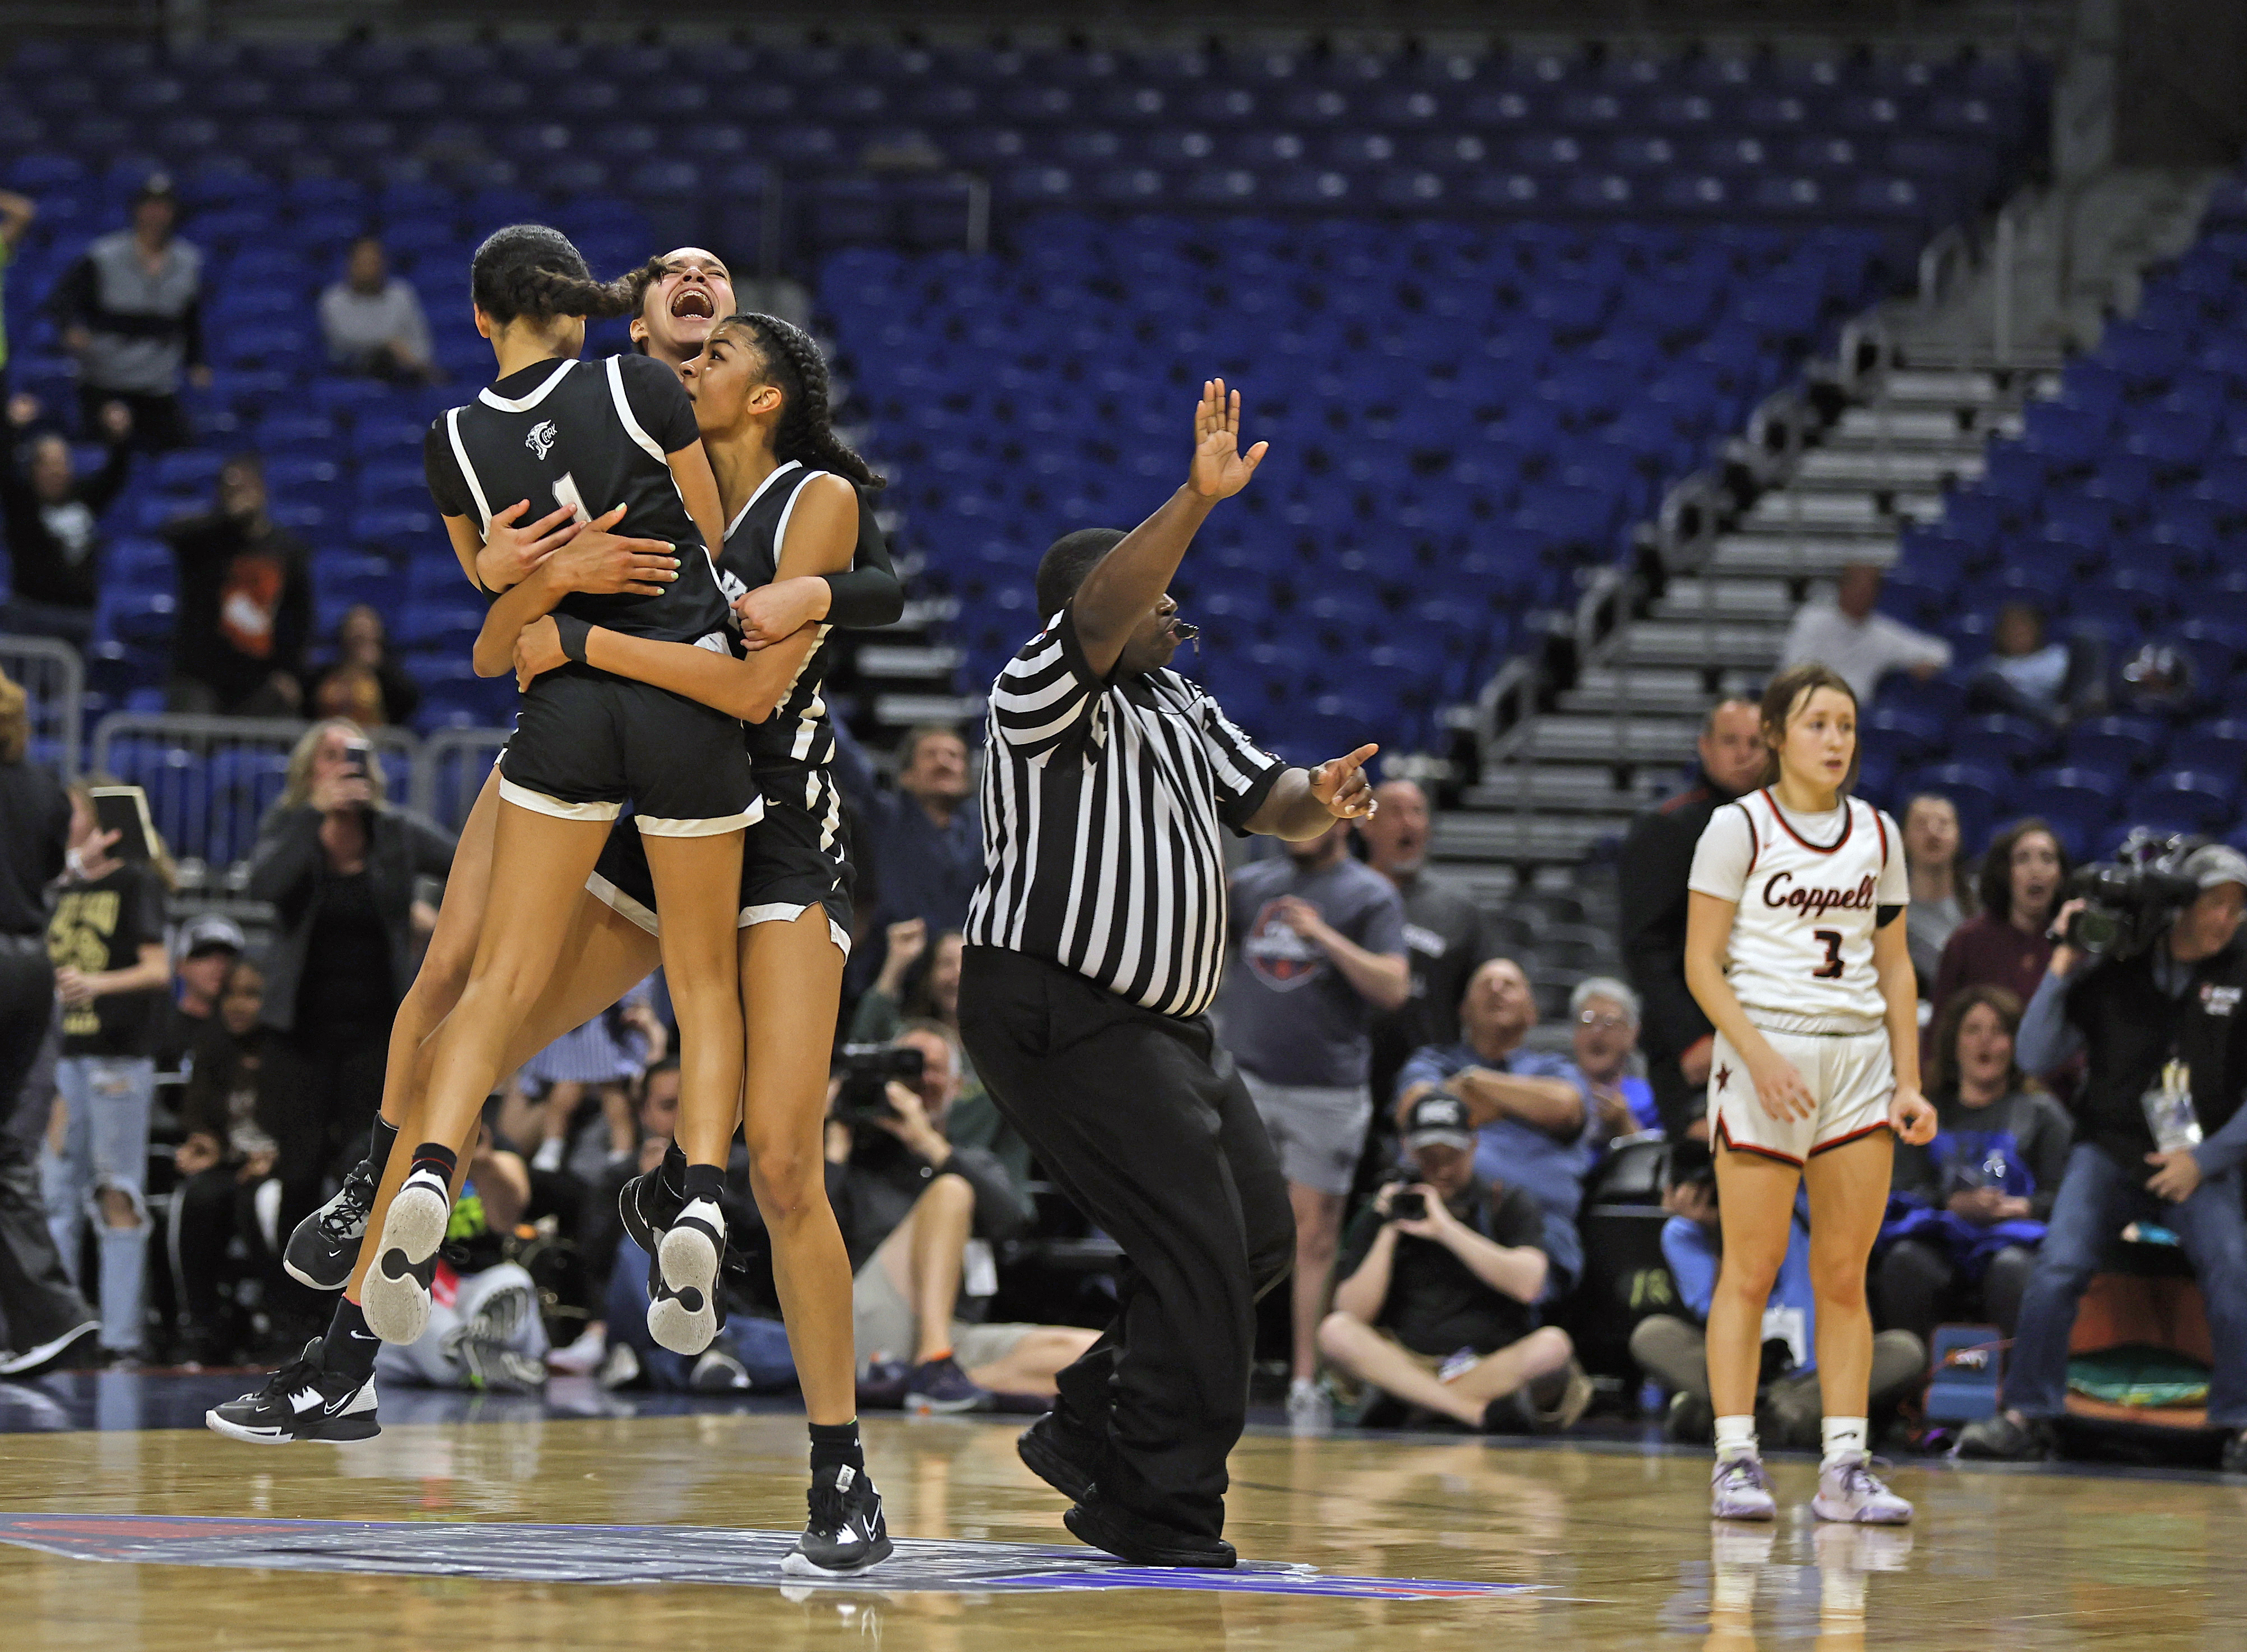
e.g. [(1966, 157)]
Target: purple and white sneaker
[(1849, 1490), (1739, 1490)]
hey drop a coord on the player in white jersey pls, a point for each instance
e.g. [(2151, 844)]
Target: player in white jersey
[(1795, 950)]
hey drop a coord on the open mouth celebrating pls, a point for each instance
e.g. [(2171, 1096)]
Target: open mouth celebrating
[(692, 304)]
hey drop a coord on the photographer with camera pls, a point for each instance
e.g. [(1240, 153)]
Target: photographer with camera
[(2146, 980), (910, 1202), (339, 865), (1437, 1279)]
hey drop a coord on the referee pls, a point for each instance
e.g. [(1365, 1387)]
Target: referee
[(1093, 946)]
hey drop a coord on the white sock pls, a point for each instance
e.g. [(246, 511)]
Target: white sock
[(1736, 1437), (548, 1155), (1843, 1435)]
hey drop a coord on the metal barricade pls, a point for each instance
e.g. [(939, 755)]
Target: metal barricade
[(52, 678), (455, 762), (210, 780)]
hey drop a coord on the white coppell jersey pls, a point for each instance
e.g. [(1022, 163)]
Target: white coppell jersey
[(1801, 947)]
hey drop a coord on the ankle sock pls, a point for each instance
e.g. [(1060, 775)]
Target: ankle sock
[(1843, 1435), (380, 1140), (672, 1171), (1736, 1437), (703, 1181), (436, 1157), (350, 1347), (941, 1354), (835, 1445)]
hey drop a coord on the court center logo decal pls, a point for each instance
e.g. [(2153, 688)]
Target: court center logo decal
[(648, 1555)]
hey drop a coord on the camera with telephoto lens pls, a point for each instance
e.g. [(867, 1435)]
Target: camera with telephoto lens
[(866, 1070), (2128, 901)]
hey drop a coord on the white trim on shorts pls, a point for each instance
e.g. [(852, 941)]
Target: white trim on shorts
[(633, 912), (540, 803), (786, 912), (622, 904), (717, 826)]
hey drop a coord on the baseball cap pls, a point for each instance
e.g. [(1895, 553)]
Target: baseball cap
[(211, 933), (157, 186), (1437, 1120), (2214, 863)]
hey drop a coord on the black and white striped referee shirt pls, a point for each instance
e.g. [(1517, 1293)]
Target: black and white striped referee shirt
[(1102, 804)]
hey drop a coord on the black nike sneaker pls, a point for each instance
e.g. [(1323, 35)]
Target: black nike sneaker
[(300, 1402), (682, 1310), (846, 1532), (324, 1248), (647, 1208)]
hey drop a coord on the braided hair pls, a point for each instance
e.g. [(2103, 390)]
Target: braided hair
[(530, 269), (806, 430)]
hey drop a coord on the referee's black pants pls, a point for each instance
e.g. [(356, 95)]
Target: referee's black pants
[(1127, 1111)]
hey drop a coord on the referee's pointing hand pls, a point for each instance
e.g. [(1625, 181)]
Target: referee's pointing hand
[(1341, 784)]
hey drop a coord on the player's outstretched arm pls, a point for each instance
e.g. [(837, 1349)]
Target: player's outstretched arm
[(1131, 578)]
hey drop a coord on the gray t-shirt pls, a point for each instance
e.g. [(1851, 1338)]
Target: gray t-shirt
[(1289, 1015)]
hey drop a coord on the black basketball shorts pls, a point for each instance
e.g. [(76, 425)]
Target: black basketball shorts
[(795, 857), (586, 743)]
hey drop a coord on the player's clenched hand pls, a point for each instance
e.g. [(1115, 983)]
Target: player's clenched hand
[(1912, 1117), (1779, 1088), (537, 650), (1341, 785), (1220, 469), (599, 563), (775, 612)]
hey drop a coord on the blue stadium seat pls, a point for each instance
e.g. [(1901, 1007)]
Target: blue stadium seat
[(1997, 741), (2115, 745), (2187, 800)]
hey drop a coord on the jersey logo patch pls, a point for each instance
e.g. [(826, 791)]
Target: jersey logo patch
[(542, 438), (1283, 960), (1724, 1078)]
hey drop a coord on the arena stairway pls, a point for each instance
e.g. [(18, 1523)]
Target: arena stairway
[(1573, 742)]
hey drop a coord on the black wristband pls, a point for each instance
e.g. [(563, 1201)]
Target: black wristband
[(574, 632)]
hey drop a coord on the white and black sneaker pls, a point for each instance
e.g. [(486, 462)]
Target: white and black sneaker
[(484, 1348), (396, 1295), (300, 1402), (846, 1532), (682, 1310), (647, 1208), (324, 1248)]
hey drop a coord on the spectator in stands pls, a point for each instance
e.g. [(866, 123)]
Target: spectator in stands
[(1604, 1017), (130, 307), (597, 1062), (2030, 675), (1861, 645), (2166, 1045), (54, 537), (910, 1200), (339, 863), (1673, 1350), (16, 214), (1650, 871), (924, 840), (1439, 1309), (372, 320), (1533, 1129), (44, 1318), (363, 652), (1319, 940), (2159, 680), (245, 603), (235, 1123), (2006, 943), (1443, 934), (204, 956), (1942, 899), (1979, 1193), (106, 938)]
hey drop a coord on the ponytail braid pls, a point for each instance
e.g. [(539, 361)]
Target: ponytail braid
[(528, 270), (806, 430)]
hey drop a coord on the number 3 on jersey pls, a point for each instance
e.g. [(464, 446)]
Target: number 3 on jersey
[(1831, 969)]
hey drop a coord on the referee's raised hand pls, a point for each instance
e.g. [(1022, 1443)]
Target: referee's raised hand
[(1341, 784), (1220, 469)]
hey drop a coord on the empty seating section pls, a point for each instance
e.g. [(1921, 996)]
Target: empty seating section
[(2117, 512), (1487, 305), (1461, 416)]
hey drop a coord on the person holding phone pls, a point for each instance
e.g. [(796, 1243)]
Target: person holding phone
[(339, 863), (1438, 1283), (106, 938)]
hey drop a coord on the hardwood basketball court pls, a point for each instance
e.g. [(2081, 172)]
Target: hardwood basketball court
[(124, 1528)]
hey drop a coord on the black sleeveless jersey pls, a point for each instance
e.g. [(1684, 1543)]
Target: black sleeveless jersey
[(796, 736), (592, 435)]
